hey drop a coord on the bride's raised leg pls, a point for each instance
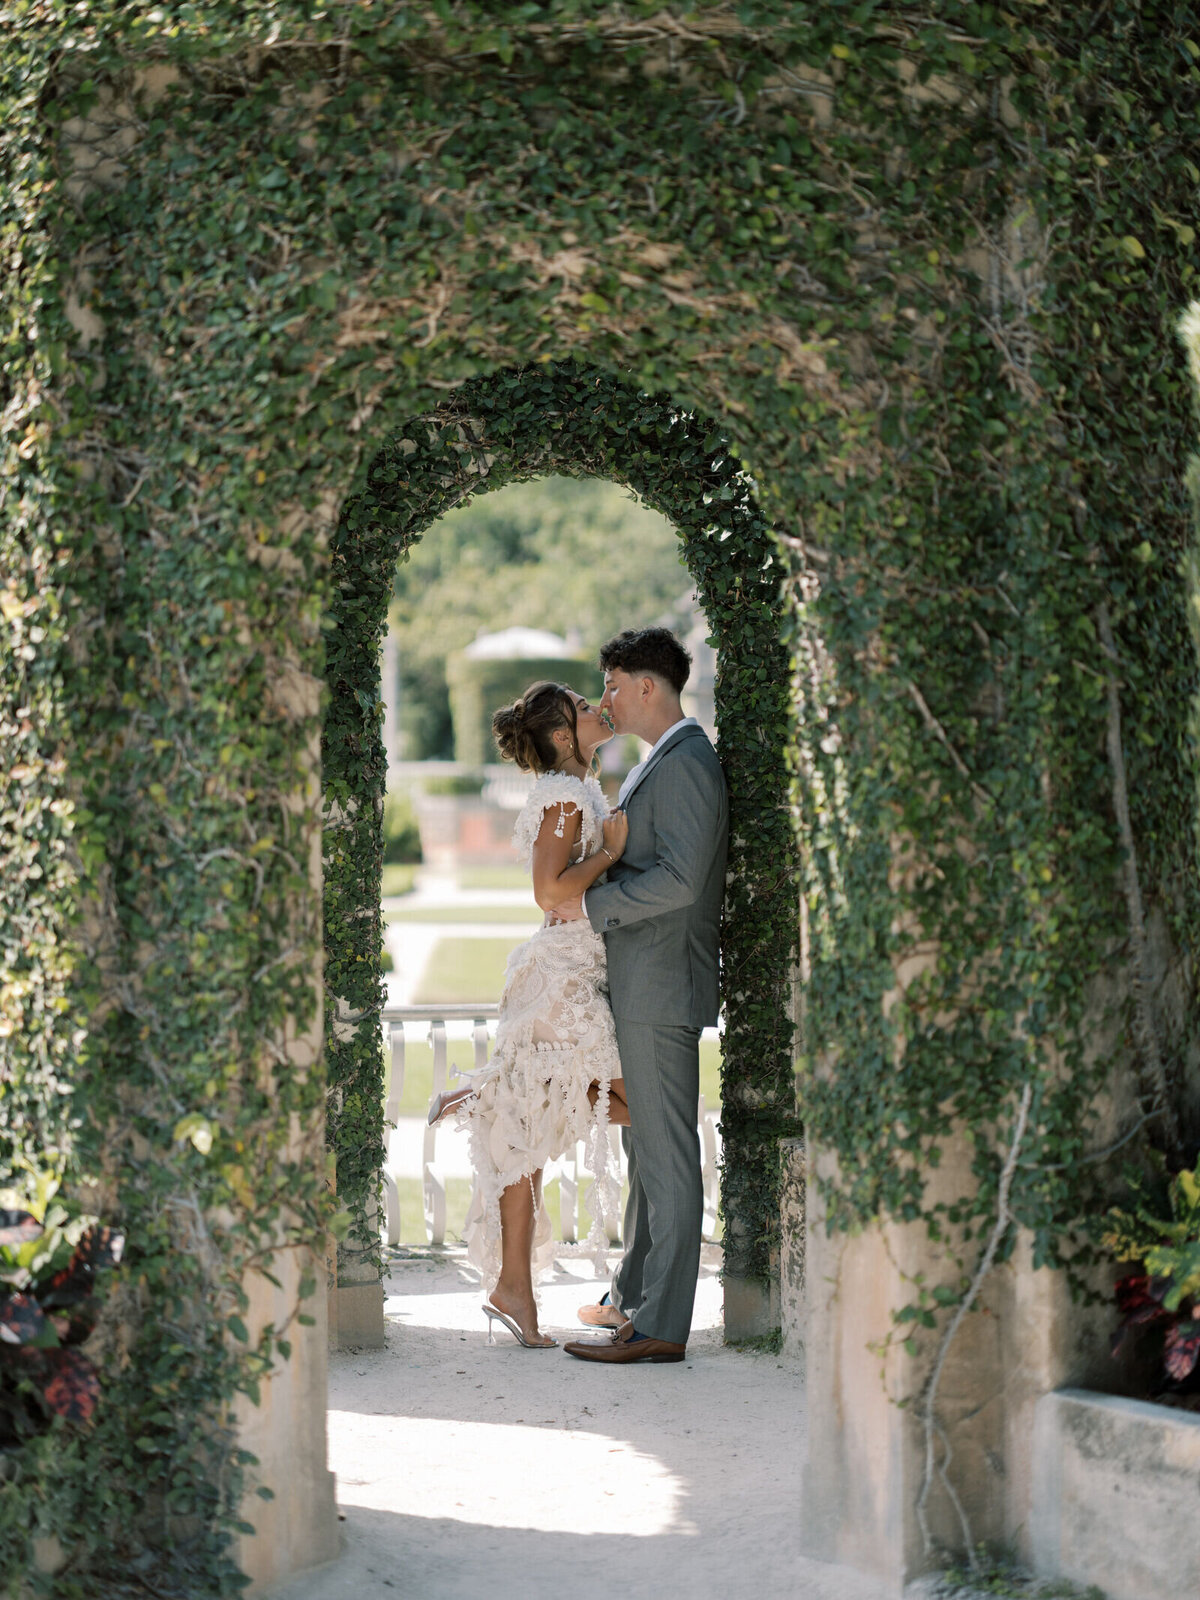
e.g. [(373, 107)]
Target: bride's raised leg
[(513, 1293), (618, 1106)]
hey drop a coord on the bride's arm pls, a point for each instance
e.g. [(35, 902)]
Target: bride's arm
[(553, 880)]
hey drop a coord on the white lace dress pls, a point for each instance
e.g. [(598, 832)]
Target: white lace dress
[(555, 1038)]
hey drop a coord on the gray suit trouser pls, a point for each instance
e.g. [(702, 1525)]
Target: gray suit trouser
[(656, 1281)]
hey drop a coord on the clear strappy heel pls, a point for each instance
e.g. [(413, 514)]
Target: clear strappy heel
[(448, 1100), (490, 1312)]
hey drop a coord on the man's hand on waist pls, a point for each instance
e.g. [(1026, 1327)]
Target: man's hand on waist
[(566, 911)]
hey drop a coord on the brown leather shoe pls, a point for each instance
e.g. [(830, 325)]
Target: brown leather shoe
[(603, 1315), (622, 1349)]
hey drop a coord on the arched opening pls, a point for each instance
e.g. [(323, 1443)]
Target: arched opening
[(520, 424), (522, 583)]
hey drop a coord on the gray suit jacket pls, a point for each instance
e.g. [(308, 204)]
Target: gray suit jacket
[(660, 911)]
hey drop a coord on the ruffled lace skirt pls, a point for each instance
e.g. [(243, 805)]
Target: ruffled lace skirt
[(530, 1106)]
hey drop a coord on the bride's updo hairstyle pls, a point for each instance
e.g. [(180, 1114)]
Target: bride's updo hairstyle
[(524, 731)]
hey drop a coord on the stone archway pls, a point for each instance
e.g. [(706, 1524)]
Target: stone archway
[(582, 421), (230, 252)]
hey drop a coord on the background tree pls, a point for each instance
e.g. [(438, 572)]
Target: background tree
[(580, 557)]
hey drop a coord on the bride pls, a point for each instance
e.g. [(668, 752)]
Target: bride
[(554, 1075)]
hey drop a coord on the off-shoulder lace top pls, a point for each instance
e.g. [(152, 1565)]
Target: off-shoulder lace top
[(561, 790)]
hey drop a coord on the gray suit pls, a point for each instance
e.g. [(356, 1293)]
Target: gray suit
[(660, 914)]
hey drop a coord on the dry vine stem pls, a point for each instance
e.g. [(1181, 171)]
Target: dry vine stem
[(1145, 1030), (928, 1406), (939, 733)]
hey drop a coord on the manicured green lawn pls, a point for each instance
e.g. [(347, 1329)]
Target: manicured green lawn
[(418, 1069), (398, 878), (513, 877), (412, 1209), (458, 1199), (710, 1073), (462, 970)]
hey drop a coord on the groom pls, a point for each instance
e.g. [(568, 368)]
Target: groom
[(660, 914)]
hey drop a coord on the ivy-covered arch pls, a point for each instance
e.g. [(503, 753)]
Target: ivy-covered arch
[(580, 421), (923, 260)]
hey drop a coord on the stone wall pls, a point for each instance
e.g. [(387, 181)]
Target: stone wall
[(1116, 1495)]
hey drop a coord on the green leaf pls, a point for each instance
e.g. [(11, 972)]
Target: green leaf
[(196, 1130)]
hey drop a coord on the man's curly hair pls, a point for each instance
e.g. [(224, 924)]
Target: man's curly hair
[(654, 650)]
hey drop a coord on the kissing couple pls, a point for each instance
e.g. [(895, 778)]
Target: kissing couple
[(603, 1007)]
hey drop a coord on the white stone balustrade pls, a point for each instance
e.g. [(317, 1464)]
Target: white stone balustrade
[(570, 1171)]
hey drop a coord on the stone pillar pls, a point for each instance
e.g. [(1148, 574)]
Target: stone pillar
[(298, 1527), (355, 1287), (751, 1307), (389, 679), (751, 1303), (1051, 1342), (792, 1251), (354, 1301), (865, 1456), (360, 1322), (858, 1480), (332, 1337)]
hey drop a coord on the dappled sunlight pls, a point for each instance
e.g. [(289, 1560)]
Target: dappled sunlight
[(518, 1475)]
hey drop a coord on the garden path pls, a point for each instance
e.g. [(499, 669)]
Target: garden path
[(411, 941), (528, 1474)]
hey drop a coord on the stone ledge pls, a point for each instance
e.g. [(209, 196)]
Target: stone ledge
[(359, 1313), (1116, 1494), (751, 1307)]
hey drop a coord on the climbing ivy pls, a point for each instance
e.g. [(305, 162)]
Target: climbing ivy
[(966, 842), (918, 264)]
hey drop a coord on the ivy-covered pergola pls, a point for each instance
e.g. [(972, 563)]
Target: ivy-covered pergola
[(876, 302)]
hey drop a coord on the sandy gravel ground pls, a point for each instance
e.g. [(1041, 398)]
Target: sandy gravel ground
[(474, 1473)]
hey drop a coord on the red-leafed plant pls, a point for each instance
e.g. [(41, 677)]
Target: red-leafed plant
[(1162, 1300), (48, 1264)]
